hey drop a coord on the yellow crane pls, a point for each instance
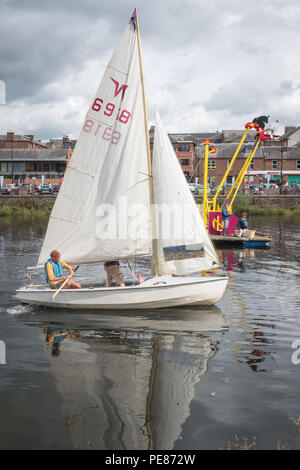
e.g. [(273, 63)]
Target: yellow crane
[(211, 205)]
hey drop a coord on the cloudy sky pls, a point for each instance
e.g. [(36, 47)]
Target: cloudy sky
[(208, 65)]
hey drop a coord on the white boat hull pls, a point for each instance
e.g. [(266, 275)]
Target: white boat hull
[(159, 292)]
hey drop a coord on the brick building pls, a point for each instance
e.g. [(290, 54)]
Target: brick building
[(14, 141), (277, 158), (268, 160), (188, 148), (24, 159), (34, 165), (274, 159)]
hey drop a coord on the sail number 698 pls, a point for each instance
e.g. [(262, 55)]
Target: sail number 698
[(109, 109)]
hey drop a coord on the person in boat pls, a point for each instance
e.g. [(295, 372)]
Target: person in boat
[(113, 273), (225, 216), (54, 269)]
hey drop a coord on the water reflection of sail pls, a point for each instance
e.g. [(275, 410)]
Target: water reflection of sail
[(104, 393), (182, 362), (131, 390)]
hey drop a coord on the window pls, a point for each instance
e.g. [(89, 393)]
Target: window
[(183, 147), (5, 167), (274, 164), (298, 165), (20, 166), (45, 166), (60, 167), (185, 162), (211, 164), (251, 166)]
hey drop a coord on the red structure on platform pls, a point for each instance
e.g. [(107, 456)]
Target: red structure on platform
[(216, 224)]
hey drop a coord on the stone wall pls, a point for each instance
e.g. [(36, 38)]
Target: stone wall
[(285, 202)]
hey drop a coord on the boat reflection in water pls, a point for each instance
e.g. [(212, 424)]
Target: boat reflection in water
[(123, 386), (233, 259)]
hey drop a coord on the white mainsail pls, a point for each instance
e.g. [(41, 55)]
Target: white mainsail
[(183, 245), (107, 180)]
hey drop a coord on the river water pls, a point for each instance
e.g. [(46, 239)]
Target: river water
[(222, 377)]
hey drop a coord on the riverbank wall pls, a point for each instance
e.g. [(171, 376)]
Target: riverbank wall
[(40, 206), (278, 201)]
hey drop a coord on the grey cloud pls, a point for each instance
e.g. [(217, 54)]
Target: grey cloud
[(41, 43), (239, 97)]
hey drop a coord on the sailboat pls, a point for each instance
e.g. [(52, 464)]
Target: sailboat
[(115, 203)]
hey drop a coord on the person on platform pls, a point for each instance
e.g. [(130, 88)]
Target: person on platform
[(113, 273), (242, 225), (225, 216), (54, 269), (243, 229)]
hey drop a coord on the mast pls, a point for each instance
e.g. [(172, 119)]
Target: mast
[(154, 240)]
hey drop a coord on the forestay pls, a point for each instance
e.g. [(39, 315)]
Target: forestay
[(106, 184), (183, 245)]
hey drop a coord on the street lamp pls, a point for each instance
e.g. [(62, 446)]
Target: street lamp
[(281, 153), (283, 148), (12, 163)]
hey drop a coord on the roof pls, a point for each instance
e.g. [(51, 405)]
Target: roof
[(227, 151), (274, 153), (268, 153), (62, 143), (236, 135), (45, 154), (289, 133), (192, 138), (21, 138), (16, 137)]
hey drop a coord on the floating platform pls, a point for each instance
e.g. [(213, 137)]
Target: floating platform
[(246, 242)]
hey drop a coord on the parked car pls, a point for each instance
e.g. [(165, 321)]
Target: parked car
[(213, 189), (192, 187), (199, 189), (45, 189), (15, 189), (6, 189), (286, 189)]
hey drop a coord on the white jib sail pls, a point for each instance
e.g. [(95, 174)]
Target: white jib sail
[(183, 244), (102, 211)]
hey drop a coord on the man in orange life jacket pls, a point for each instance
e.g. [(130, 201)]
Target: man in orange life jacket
[(54, 272)]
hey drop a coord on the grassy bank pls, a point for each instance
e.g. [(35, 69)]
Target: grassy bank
[(34, 210), (25, 211), (247, 202)]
